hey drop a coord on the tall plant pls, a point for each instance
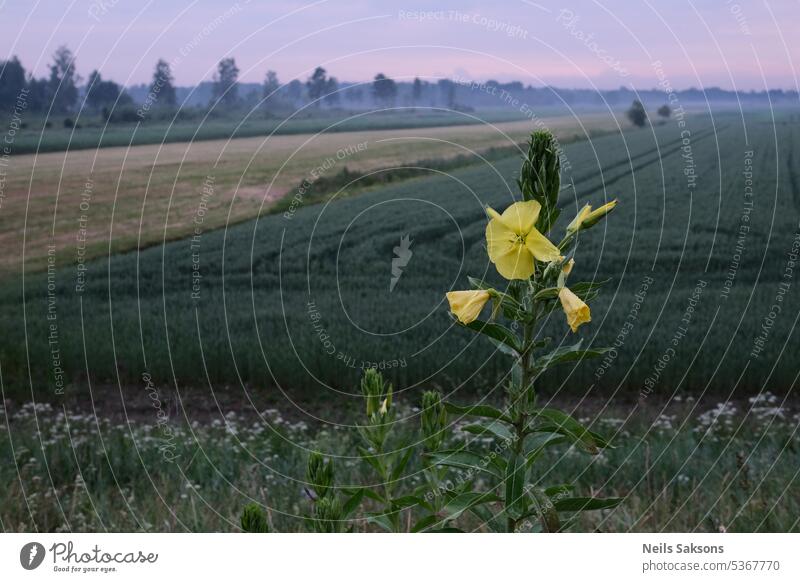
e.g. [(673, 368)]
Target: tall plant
[(537, 271)]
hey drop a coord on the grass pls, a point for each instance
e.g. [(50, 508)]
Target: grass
[(684, 466), (124, 198)]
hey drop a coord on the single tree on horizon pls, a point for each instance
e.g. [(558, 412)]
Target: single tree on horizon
[(225, 87), (162, 87), (637, 113), (384, 90), (63, 82)]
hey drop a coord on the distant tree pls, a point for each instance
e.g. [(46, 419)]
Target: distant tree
[(355, 94), (664, 111), (637, 114), (447, 89), (384, 89), (416, 91), (38, 94), (271, 84), (162, 88), (12, 82), (63, 82), (332, 91), (225, 82), (317, 84), (100, 93), (294, 91)]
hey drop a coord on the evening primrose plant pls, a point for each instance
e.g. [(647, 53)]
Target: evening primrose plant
[(537, 271)]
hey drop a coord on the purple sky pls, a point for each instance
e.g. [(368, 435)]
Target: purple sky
[(746, 44)]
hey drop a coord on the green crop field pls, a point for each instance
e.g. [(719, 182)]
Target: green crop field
[(701, 294)]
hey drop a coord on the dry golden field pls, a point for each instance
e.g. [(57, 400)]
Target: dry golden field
[(87, 203)]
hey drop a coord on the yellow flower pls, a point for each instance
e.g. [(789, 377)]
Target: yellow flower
[(467, 305), (513, 242), (577, 311), (587, 217)]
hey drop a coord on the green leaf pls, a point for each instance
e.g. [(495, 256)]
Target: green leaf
[(371, 459), (464, 459), (399, 503), (382, 520), (483, 410), (586, 503), (558, 422), (425, 523), (501, 335), (465, 501), (352, 504), (516, 471), (588, 290), (535, 444), (496, 428), (397, 470), (546, 293), (545, 510), (564, 355)]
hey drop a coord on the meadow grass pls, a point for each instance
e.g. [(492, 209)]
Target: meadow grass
[(683, 466)]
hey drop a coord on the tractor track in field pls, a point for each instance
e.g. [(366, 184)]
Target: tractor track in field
[(660, 156)]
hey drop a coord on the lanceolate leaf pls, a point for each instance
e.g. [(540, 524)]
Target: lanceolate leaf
[(515, 486), (586, 503), (464, 501), (498, 429), (545, 510), (566, 354), (550, 420), (463, 459), (497, 333), (483, 410)]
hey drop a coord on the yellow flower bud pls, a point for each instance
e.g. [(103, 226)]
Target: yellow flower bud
[(467, 305), (577, 311), (587, 217), (567, 267)]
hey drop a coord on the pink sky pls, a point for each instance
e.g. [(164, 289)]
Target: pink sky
[(701, 43)]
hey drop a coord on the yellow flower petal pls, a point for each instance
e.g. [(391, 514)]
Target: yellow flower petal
[(493, 213), (467, 305), (515, 264), (500, 240), (567, 267), (520, 217), (579, 218), (576, 310), (541, 247), (596, 215)]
